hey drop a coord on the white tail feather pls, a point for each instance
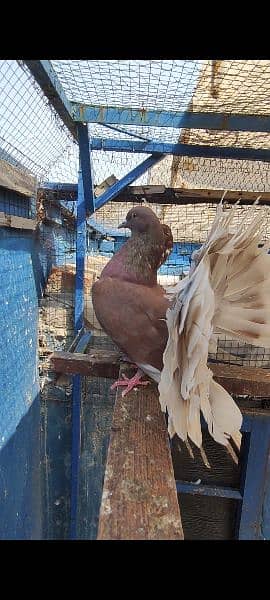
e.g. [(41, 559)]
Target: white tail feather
[(227, 290)]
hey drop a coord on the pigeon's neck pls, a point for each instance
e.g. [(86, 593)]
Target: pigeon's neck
[(138, 260)]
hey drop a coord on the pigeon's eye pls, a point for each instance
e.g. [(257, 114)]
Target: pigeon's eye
[(134, 215)]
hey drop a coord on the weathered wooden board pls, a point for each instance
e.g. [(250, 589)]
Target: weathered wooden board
[(236, 380), (250, 381), (139, 500), (160, 194), (17, 222), (14, 179), (98, 363)]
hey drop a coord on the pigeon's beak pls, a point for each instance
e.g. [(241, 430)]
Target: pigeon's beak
[(124, 224)]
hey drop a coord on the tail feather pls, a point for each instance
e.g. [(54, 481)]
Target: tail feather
[(228, 291)]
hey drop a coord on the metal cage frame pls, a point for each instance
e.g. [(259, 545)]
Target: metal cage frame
[(76, 116)]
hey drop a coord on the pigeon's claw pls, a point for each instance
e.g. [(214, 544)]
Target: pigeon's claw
[(130, 383)]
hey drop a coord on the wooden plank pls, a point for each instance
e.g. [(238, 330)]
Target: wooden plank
[(79, 344), (13, 178), (139, 500), (98, 363), (102, 187), (17, 222), (236, 380), (159, 194)]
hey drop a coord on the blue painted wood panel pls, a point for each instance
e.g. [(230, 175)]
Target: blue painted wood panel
[(20, 283), (20, 479)]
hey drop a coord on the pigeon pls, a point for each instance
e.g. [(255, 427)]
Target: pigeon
[(128, 302), (168, 331)]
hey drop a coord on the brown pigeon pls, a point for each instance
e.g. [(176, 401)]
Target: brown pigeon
[(167, 333), (128, 302)]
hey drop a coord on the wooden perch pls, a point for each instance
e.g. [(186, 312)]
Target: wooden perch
[(159, 194), (139, 500), (17, 222), (237, 380), (13, 178), (98, 363), (250, 381)]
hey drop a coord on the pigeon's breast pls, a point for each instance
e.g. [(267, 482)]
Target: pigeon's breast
[(133, 315)]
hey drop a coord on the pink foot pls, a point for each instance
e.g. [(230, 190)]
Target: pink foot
[(130, 383)]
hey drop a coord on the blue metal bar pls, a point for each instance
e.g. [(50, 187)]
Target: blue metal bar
[(78, 315), (85, 157), (80, 255), (55, 186), (117, 187), (247, 423), (47, 79), (120, 130), (122, 115), (184, 487), (181, 149), (83, 342), (254, 479)]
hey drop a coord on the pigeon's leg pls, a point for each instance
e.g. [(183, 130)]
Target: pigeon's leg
[(130, 383), (125, 358)]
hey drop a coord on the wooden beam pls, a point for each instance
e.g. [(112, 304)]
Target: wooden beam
[(159, 194), (237, 380), (139, 500), (15, 179), (251, 381), (97, 363), (17, 222)]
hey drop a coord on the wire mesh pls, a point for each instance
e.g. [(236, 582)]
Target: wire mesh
[(190, 225), (210, 173), (165, 84), (168, 84), (33, 137), (200, 86)]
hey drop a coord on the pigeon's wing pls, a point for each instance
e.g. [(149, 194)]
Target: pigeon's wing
[(168, 243), (134, 316), (227, 290)]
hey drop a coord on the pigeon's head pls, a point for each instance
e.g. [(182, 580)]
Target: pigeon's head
[(141, 219)]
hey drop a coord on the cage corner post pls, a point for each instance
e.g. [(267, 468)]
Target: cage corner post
[(85, 205)]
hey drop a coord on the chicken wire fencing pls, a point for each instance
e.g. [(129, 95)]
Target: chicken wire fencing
[(190, 224), (34, 138)]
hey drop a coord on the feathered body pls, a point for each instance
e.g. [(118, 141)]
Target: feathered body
[(167, 332), (129, 303)]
